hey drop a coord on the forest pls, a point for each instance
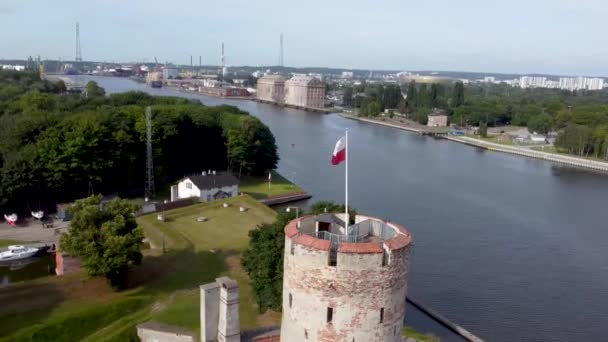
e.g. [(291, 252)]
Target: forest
[(57, 147), (580, 118)]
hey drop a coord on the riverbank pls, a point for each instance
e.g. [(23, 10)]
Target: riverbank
[(526, 152), (490, 146)]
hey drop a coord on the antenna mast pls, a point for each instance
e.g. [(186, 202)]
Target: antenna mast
[(281, 50), (149, 193), (78, 49)]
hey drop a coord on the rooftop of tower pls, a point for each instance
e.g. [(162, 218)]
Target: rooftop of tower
[(367, 235)]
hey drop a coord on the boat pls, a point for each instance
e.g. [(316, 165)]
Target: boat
[(11, 219), (38, 214), (17, 252)]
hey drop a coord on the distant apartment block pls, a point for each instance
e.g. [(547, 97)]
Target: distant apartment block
[(305, 91), (532, 82), (271, 88), (577, 83), (566, 83)]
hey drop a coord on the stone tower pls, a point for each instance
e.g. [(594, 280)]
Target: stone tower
[(344, 282)]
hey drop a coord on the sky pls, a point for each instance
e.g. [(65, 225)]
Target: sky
[(563, 37)]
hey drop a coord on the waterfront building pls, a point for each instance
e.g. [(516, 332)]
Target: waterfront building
[(271, 88), (438, 118), (305, 91), (344, 282), (170, 73), (207, 186)]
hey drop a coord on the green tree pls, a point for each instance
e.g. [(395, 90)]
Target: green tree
[(412, 97), (458, 94), (263, 259), (483, 129), (434, 95), (540, 123), (373, 108), (94, 90), (105, 237), (423, 96), (347, 97)]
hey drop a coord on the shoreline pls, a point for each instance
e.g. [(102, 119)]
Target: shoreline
[(560, 159)]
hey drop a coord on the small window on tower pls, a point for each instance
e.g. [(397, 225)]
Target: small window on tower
[(381, 315), (290, 300), (330, 315), (292, 249)]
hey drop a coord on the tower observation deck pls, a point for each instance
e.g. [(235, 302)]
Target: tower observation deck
[(344, 282)]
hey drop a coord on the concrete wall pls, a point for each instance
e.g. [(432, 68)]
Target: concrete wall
[(154, 332), (437, 121), (184, 192), (357, 289)]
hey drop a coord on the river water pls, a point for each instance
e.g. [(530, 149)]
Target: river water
[(513, 249)]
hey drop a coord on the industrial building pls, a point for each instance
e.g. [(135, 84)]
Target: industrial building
[(170, 73), (271, 88), (305, 91)]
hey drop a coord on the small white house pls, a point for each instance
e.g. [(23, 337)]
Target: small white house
[(207, 186)]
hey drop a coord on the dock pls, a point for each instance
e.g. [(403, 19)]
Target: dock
[(460, 331), (283, 199)]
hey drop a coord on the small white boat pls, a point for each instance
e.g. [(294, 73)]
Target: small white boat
[(17, 252), (11, 219), (38, 214)]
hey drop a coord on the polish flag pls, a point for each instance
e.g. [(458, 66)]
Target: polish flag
[(339, 152)]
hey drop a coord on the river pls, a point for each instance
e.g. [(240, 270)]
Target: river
[(513, 249)]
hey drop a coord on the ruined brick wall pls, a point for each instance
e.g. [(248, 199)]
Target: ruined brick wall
[(366, 289)]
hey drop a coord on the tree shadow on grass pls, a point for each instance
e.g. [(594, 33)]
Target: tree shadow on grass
[(177, 270), (26, 303)]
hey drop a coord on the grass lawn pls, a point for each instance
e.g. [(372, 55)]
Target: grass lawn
[(4, 243), (164, 288), (491, 138), (257, 187), (410, 332)]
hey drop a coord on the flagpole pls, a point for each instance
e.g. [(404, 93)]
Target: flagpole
[(347, 152)]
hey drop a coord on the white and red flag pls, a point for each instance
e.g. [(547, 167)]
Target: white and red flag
[(339, 154)]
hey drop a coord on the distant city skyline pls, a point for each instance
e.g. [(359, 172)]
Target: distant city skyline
[(557, 37)]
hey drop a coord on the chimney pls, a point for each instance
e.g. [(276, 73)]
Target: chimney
[(220, 311), (214, 172), (229, 324), (204, 173), (210, 306)]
